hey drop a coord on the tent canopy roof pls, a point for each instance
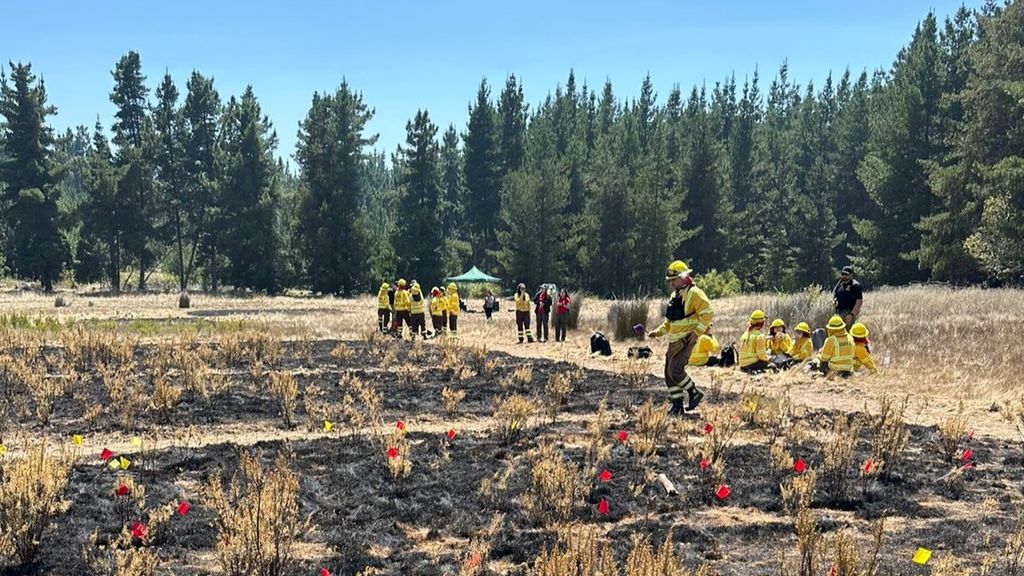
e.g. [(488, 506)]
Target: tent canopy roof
[(472, 275)]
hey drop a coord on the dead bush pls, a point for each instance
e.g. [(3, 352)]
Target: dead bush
[(837, 460), (951, 433), (557, 390), (451, 399), (31, 497), (554, 489), (511, 417), (285, 390), (890, 438), (580, 552)]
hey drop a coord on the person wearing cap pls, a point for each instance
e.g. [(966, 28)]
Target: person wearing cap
[(523, 303), (687, 317), (837, 353), (704, 352), (383, 307), (847, 296), (542, 307), (403, 305), (778, 341), (438, 305), (802, 348), (754, 345), (452, 310), (862, 349), (417, 312)]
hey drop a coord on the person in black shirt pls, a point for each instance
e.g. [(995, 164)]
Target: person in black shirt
[(847, 297)]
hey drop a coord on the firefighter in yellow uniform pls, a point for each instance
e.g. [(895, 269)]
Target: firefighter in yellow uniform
[(837, 353), (454, 304), (687, 318), (383, 308), (705, 350), (416, 311), (403, 305), (778, 341), (862, 349), (754, 345), (802, 348), (438, 305), (523, 305)]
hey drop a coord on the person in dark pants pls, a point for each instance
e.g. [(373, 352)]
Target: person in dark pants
[(542, 301), (489, 302), (562, 315), (384, 303), (402, 306), (417, 312), (847, 297), (523, 314)]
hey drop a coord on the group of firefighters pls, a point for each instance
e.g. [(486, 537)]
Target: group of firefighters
[(687, 327)]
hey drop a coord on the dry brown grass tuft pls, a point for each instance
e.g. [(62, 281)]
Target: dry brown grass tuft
[(285, 391), (598, 447), (890, 438), (951, 434), (554, 489), (837, 461), (31, 498), (635, 374), (511, 417), (557, 390), (580, 552), (450, 400)]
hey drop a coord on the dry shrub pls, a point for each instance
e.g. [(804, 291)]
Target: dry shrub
[(46, 390), (598, 447), (511, 417), (837, 457), (476, 357), (576, 308), (284, 390), (494, 488), (523, 375), (165, 398), (131, 504), (644, 560), (557, 390), (480, 545), (635, 375), (1013, 413), (554, 489), (318, 409), (417, 352), (771, 414), (127, 394), (651, 425), (408, 373), (1013, 550), (257, 518), (624, 314), (798, 492), (890, 435), (725, 423), (31, 497), (450, 399), (120, 557), (951, 433), (846, 554), (580, 552), (341, 352), (361, 406), (398, 461)]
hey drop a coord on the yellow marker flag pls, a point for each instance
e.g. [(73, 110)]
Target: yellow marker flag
[(3, 449), (124, 462), (328, 425), (753, 406), (922, 556), (76, 439), (514, 424), (136, 441), (115, 464)]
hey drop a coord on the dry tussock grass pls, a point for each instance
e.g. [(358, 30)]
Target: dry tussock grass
[(31, 498)]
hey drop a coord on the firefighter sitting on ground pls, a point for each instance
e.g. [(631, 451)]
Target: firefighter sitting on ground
[(754, 345), (862, 349), (687, 317), (802, 348), (837, 353), (383, 308), (706, 350), (778, 341)]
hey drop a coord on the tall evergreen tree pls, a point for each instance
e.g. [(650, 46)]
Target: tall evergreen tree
[(482, 171), (169, 162), (512, 110), (99, 250), (193, 206), (418, 242), (332, 230), (36, 248), (456, 249)]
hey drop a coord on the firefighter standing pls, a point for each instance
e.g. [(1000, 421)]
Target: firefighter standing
[(523, 303), (383, 308), (454, 305), (438, 305), (403, 305), (416, 310), (688, 315)]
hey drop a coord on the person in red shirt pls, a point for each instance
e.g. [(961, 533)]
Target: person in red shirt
[(562, 315)]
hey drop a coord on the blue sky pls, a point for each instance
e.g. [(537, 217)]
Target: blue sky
[(409, 55)]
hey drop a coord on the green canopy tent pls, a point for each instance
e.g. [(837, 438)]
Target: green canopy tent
[(474, 276)]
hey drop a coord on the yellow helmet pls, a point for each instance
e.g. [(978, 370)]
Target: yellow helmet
[(677, 269), (859, 331), (836, 323), (757, 316), (452, 286), (401, 283), (803, 327), (778, 323), (416, 289)]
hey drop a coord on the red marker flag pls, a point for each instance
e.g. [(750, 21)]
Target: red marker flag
[(400, 425), (392, 452), (703, 464), (623, 435), (602, 507), (869, 465), (122, 490), (968, 454), (799, 466), (723, 492), (106, 455), (324, 572), (605, 476), (183, 508), (451, 434), (708, 428), (139, 530)]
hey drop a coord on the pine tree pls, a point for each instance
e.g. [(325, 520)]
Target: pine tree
[(456, 250), (249, 193), (169, 163), (531, 239), (193, 207), (99, 251), (512, 111), (482, 171), (418, 239), (133, 137), (36, 248), (850, 133), (700, 179), (332, 230)]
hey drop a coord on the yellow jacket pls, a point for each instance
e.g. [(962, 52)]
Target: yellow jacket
[(689, 311), (523, 302), (453, 302), (861, 357), (383, 303), (802, 349), (438, 306), (838, 351), (705, 347), (416, 302), (753, 347), (780, 343), (403, 302)]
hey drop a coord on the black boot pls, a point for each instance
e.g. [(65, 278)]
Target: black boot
[(677, 408), (695, 397)]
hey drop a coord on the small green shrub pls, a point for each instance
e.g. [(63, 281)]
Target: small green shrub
[(719, 284)]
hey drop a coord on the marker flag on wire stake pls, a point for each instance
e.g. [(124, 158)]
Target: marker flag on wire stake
[(136, 441), (328, 425), (77, 440), (922, 556)]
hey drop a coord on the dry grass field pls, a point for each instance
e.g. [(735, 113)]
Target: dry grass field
[(279, 436)]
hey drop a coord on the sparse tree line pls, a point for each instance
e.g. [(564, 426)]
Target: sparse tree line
[(911, 174)]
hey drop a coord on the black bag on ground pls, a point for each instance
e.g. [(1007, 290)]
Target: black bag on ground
[(640, 352), (818, 338), (598, 343), (729, 356)]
